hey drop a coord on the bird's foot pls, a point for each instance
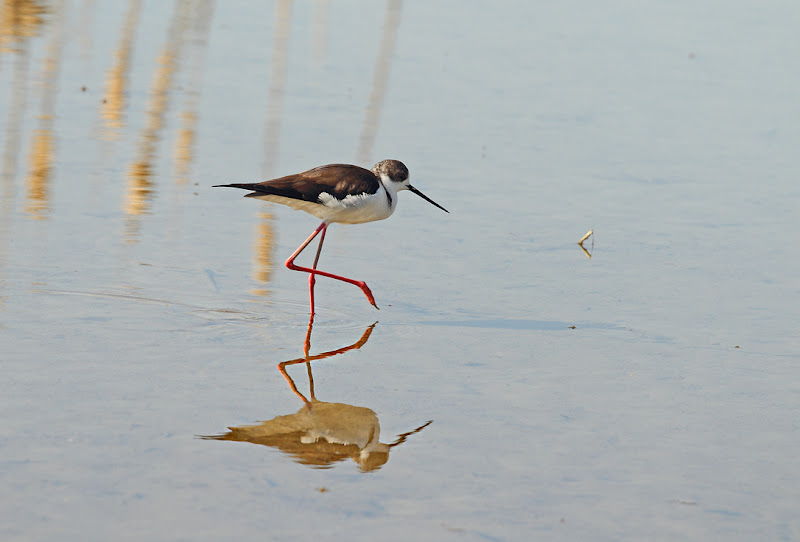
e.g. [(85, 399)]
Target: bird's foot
[(368, 293)]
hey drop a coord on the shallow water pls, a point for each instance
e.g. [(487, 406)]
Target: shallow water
[(646, 393)]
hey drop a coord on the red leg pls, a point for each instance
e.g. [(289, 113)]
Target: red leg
[(311, 279), (291, 265)]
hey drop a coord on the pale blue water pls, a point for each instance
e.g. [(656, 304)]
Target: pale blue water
[(140, 308)]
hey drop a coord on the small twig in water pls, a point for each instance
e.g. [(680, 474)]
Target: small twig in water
[(584, 238)]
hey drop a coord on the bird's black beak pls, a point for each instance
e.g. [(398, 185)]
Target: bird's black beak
[(426, 198)]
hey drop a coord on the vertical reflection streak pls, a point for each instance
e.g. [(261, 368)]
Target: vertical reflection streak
[(19, 21), (140, 188), (184, 142), (117, 78), (279, 67), (380, 80), (13, 131), (42, 153)]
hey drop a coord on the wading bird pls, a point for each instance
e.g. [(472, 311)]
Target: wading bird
[(337, 193)]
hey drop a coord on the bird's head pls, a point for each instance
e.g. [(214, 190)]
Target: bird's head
[(394, 175)]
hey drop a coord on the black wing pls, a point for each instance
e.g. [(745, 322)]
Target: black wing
[(339, 180)]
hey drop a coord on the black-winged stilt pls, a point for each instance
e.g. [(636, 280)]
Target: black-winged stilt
[(337, 193)]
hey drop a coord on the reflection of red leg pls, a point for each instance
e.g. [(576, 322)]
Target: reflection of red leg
[(282, 369), (290, 264), (308, 358)]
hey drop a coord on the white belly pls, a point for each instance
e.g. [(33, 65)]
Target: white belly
[(351, 210)]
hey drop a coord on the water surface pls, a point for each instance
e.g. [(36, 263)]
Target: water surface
[(646, 393)]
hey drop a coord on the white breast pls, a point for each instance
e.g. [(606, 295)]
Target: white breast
[(358, 209), (351, 210)]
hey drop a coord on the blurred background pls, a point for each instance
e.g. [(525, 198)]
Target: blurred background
[(161, 380)]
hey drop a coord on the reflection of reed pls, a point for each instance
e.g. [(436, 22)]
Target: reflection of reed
[(277, 85), (184, 141), (279, 66), (140, 187), (264, 243), (321, 434), (380, 80), (38, 181), (43, 142), (117, 77), (19, 91), (19, 20)]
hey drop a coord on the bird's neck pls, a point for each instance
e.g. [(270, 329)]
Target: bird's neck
[(390, 192)]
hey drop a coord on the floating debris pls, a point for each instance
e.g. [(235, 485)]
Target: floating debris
[(584, 238)]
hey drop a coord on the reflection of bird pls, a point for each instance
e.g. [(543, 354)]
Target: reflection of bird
[(322, 435), (337, 193)]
